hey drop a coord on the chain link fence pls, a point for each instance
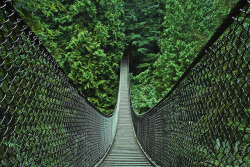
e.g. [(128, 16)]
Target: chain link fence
[(44, 119), (204, 119)]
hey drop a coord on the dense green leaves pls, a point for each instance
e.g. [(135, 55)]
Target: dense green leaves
[(88, 38), (85, 37), (186, 27)]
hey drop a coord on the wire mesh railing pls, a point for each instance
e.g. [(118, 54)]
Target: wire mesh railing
[(44, 119), (204, 119)]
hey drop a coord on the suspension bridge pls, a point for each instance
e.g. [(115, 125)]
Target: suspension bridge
[(202, 121)]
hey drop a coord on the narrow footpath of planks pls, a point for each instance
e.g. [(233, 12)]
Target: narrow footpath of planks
[(125, 150)]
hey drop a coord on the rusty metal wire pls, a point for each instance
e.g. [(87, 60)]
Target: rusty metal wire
[(44, 119), (204, 119)]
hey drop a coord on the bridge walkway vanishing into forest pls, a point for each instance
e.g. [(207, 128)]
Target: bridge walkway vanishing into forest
[(125, 150), (203, 121)]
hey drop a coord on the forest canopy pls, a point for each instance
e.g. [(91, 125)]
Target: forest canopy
[(89, 37)]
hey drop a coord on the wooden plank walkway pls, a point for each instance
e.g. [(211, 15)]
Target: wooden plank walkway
[(125, 150)]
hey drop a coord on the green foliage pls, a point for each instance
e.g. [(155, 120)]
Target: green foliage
[(142, 92), (143, 28), (85, 37), (143, 24), (186, 27)]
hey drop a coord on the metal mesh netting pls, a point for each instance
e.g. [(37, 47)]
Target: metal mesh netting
[(204, 119), (44, 119)]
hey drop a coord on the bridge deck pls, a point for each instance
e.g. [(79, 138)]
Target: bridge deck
[(125, 150)]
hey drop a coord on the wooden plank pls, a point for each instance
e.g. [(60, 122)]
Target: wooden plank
[(125, 150)]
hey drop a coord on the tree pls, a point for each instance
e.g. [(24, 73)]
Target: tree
[(85, 37)]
